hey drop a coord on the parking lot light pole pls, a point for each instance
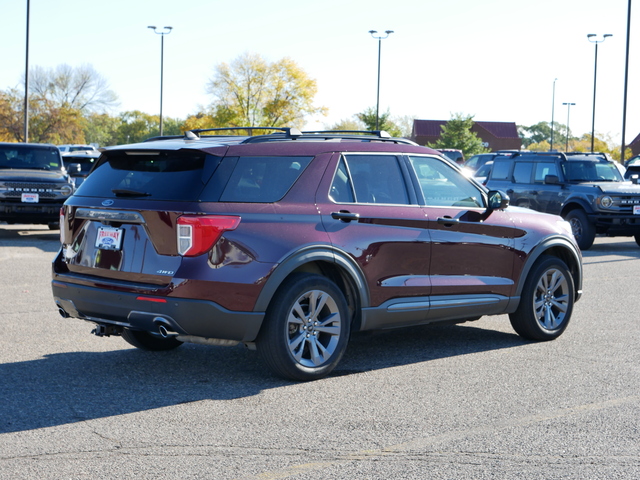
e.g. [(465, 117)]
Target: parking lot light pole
[(162, 33), (592, 38), (553, 109), (566, 148), (379, 38)]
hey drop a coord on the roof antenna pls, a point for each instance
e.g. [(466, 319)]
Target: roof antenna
[(189, 135)]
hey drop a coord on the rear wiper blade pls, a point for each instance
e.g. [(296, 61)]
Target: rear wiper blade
[(123, 192)]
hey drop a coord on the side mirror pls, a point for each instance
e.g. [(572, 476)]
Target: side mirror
[(551, 180), (498, 200), (635, 179)]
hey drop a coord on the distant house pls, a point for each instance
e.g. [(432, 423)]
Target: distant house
[(634, 145), (495, 135)]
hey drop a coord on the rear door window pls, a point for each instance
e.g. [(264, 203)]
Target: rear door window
[(369, 179), (522, 172)]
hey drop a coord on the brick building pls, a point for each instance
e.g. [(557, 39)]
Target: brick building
[(634, 146), (495, 135)]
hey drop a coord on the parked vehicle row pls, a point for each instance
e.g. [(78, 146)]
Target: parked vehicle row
[(33, 183), (587, 189), (290, 241)]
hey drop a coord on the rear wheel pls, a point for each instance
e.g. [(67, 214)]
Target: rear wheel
[(583, 230), (306, 328), (149, 341), (546, 302)]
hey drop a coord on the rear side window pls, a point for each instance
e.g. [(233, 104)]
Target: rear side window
[(153, 175), (500, 170), (263, 179)]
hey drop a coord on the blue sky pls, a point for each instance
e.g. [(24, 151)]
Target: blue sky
[(494, 59)]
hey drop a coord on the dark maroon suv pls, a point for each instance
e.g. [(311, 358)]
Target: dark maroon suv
[(288, 242)]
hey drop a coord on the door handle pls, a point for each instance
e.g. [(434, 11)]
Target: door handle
[(448, 221), (345, 216)]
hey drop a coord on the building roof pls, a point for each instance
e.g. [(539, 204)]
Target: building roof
[(434, 128)]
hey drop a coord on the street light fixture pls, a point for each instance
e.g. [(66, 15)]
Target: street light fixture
[(379, 38), (592, 38), (566, 148), (162, 33)]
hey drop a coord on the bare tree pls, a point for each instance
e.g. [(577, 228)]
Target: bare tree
[(80, 88)]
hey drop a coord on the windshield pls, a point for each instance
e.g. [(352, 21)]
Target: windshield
[(589, 171), (30, 157)]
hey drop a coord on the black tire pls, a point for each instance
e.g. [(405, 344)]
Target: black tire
[(149, 341), (546, 302), (637, 238), (306, 328), (583, 230)]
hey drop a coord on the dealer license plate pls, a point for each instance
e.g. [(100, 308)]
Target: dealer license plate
[(30, 198), (636, 209), (109, 238)]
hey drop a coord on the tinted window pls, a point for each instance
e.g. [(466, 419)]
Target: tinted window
[(29, 157), (263, 179), (444, 186), (543, 169), (163, 175), (376, 179), (341, 187), (522, 172), (500, 170)]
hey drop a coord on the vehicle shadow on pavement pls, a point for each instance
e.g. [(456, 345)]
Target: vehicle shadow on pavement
[(30, 236), (72, 387), (625, 249)]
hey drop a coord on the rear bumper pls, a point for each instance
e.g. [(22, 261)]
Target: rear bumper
[(144, 312)]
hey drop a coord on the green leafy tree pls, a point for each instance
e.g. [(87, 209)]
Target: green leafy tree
[(456, 133), (368, 117), (253, 92), (541, 132)]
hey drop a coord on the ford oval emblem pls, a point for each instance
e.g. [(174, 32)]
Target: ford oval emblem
[(107, 203)]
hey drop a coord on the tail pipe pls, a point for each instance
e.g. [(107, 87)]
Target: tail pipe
[(164, 327)]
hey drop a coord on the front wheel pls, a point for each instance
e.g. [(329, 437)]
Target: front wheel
[(546, 302), (583, 230), (306, 328)]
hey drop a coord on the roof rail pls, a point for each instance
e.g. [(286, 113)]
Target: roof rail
[(288, 131)]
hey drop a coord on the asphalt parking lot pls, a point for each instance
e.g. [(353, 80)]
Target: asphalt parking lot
[(470, 401)]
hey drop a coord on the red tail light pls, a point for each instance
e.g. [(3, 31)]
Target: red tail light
[(198, 233)]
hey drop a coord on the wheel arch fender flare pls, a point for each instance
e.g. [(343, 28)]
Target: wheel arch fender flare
[(309, 255), (576, 203), (562, 248)]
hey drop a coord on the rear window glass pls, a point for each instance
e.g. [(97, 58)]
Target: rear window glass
[(263, 179), (154, 175)]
